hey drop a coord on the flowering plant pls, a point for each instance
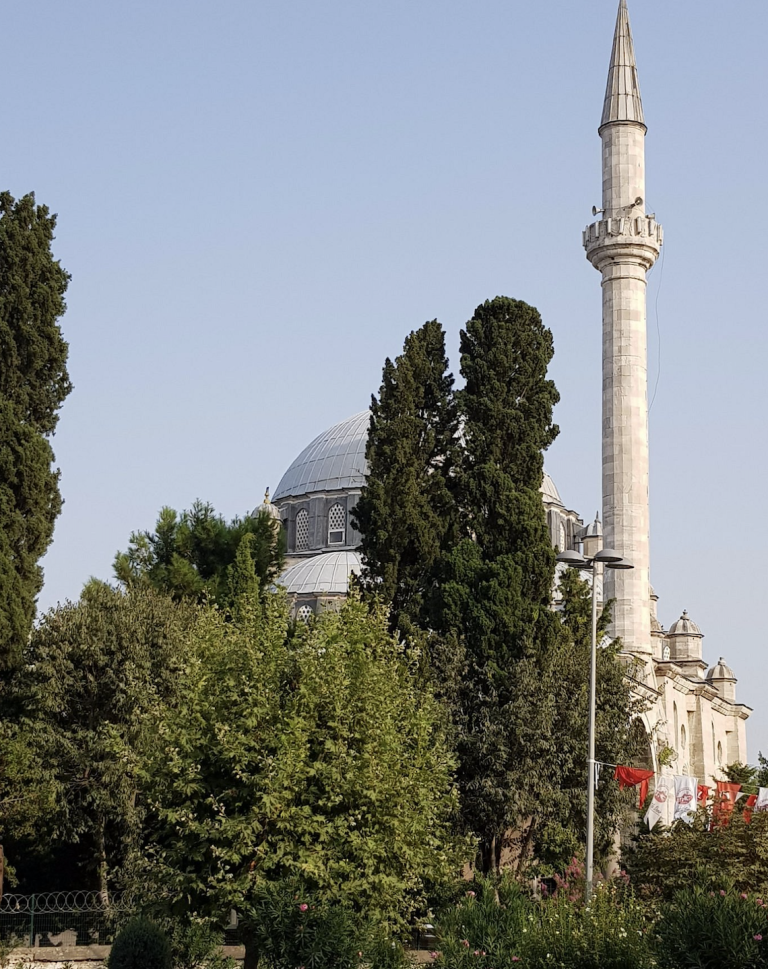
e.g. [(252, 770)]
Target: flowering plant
[(711, 929)]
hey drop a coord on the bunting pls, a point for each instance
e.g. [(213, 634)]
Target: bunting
[(631, 777), (662, 805), (685, 798), (725, 798)]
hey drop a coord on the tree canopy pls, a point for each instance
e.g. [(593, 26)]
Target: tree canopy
[(33, 386), (318, 758), (192, 555)]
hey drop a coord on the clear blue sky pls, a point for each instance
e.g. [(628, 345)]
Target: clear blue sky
[(257, 201)]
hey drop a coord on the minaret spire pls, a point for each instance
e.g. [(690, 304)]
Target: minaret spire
[(622, 93), (623, 245)]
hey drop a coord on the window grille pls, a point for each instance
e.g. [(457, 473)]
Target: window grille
[(302, 531), (337, 525), (304, 613)]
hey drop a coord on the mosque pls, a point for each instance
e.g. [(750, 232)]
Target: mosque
[(692, 721)]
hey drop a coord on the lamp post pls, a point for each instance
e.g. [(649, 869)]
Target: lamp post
[(610, 559)]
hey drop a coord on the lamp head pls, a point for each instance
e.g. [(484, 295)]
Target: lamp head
[(573, 559)]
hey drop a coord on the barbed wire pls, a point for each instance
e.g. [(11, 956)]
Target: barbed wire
[(64, 902)]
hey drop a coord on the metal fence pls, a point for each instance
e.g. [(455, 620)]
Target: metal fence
[(61, 918)]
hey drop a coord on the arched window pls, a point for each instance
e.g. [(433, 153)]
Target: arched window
[(682, 737), (302, 531), (337, 525), (719, 754), (677, 734), (304, 613)]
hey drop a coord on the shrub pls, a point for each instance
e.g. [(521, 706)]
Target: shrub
[(612, 932), (197, 945), (140, 944), (485, 927), (704, 929), (291, 927)]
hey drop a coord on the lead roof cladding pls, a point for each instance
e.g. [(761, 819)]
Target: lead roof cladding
[(334, 461)]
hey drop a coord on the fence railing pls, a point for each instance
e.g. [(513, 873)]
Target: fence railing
[(62, 918)]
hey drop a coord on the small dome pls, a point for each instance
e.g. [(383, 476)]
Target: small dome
[(326, 574), (593, 529), (266, 507), (684, 626), (334, 461), (549, 491), (721, 671)]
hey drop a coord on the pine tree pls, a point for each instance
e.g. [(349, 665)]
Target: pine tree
[(33, 385), (407, 513)]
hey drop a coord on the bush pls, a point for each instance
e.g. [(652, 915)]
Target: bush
[(704, 929), (612, 932), (291, 927), (487, 925), (197, 945), (140, 945)]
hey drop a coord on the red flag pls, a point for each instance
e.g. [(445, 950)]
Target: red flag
[(631, 777), (749, 806), (725, 798), (702, 793)]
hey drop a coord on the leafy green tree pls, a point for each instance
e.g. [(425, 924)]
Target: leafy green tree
[(95, 675), (193, 555), (496, 583), (317, 757), (406, 513), (33, 385)]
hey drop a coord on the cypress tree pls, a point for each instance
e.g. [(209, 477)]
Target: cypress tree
[(407, 513), (497, 581), (33, 385)]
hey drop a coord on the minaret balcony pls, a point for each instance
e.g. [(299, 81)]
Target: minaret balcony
[(637, 237)]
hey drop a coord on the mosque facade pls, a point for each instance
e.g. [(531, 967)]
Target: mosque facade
[(692, 720)]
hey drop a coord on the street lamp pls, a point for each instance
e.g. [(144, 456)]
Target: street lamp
[(606, 558)]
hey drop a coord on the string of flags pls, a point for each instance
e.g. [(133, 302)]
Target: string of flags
[(676, 797)]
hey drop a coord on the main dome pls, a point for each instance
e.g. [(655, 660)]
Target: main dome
[(334, 461)]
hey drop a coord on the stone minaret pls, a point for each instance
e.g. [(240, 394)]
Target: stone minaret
[(623, 245)]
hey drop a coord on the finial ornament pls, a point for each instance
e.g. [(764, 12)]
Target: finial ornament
[(266, 497)]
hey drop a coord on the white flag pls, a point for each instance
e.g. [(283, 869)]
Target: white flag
[(762, 799), (662, 805), (685, 798)]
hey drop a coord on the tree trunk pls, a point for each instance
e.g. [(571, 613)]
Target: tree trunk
[(251, 955), (102, 856)]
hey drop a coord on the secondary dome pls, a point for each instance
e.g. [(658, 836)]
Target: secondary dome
[(327, 574), (334, 461), (684, 626)]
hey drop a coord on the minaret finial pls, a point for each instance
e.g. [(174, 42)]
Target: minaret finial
[(622, 93)]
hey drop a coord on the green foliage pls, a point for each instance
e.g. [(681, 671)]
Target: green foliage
[(406, 513), (733, 855), (317, 757), (612, 932), (33, 385), (140, 945), (95, 675), (197, 945), (198, 554), (703, 929), (290, 927), (486, 927)]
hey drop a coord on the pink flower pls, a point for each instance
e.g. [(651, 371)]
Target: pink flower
[(515, 958), (476, 952), (743, 896), (465, 943), (759, 901), (758, 937), (711, 894), (433, 955), (303, 907), (470, 894), (722, 893)]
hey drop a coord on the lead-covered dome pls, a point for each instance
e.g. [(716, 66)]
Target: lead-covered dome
[(334, 461), (326, 574)]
